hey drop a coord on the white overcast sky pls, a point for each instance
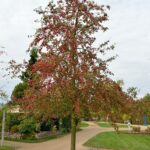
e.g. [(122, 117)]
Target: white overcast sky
[(129, 28)]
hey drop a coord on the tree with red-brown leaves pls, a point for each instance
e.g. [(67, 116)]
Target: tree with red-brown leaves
[(68, 75)]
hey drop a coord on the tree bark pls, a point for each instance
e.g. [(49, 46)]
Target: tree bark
[(73, 131)]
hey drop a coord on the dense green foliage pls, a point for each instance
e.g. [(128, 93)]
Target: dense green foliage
[(26, 75), (66, 124), (19, 90), (122, 141), (27, 126), (12, 121), (147, 97)]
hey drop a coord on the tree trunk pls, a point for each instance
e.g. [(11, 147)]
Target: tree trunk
[(73, 131)]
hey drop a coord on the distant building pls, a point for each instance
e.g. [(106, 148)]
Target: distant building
[(15, 109)]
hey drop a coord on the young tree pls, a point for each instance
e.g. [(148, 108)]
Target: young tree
[(69, 76)]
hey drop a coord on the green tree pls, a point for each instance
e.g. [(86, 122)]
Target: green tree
[(147, 97), (133, 92), (26, 75), (19, 91)]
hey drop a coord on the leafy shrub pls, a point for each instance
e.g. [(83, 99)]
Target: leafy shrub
[(63, 130), (27, 126), (46, 125), (66, 123), (14, 129), (12, 120), (136, 129)]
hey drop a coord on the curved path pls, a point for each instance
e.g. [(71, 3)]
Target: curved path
[(62, 143)]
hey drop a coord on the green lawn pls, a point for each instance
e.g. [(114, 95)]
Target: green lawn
[(83, 124), (6, 148), (108, 125), (122, 141)]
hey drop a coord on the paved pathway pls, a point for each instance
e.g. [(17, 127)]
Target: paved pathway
[(62, 143)]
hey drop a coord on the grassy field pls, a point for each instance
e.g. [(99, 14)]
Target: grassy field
[(122, 141), (108, 125), (83, 124), (6, 148)]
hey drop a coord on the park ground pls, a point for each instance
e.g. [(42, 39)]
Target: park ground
[(63, 143)]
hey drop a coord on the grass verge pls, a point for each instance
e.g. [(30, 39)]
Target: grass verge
[(108, 125), (121, 141), (83, 124), (6, 148)]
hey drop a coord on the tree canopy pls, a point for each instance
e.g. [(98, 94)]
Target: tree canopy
[(69, 75)]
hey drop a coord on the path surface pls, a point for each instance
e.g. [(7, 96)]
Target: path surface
[(62, 143)]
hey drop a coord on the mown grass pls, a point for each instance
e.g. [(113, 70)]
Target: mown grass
[(83, 124), (121, 141), (6, 148), (108, 125)]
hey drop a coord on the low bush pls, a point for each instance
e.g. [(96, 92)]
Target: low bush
[(46, 125), (27, 126), (14, 129), (63, 131), (12, 120), (66, 123), (136, 129)]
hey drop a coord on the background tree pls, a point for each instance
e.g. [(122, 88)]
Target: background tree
[(25, 76), (19, 91), (139, 109), (133, 92), (120, 83), (147, 97)]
